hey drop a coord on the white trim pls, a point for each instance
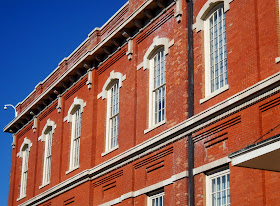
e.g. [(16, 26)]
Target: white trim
[(145, 190), (109, 151), (77, 102), (277, 59), (155, 126), (211, 165), (255, 153), (113, 76), (49, 124), (25, 158), (199, 24), (157, 43), (156, 196), (209, 184), (25, 141), (215, 93), (145, 147)]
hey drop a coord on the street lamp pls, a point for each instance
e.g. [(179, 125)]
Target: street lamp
[(10, 105)]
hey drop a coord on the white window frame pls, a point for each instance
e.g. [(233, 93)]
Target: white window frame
[(209, 178), (47, 136), (24, 154), (154, 197), (159, 44), (155, 89), (112, 120), (114, 78), (202, 23), (209, 89), (77, 106)]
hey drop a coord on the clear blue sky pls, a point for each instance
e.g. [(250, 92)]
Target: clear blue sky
[(35, 37)]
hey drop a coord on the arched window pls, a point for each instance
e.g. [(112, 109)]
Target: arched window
[(111, 90), (155, 61), (216, 53), (47, 136), (158, 90), (74, 116), (24, 154), (212, 19)]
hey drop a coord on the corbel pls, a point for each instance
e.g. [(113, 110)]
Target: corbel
[(116, 42), (58, 107), (179, 12), (138, 23), (14, 141), (161, 4), (34, 127), (98, 58), (149, 14), (130, 49), (89, 81), (107, 50)]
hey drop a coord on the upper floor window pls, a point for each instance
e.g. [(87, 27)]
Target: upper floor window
[(75, 138), (74, 116), (155, 61), (218, 189), (47, 136), (212, 19), (158, 77), (113, 116), (111, 91), (24, 154), (216, 54)]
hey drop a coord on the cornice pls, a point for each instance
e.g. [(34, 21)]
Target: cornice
[(233, 104)]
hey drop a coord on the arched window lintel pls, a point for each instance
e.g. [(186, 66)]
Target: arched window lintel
[(113, 77), (207, 7), (76, 104), (25, 142), (49, 125)]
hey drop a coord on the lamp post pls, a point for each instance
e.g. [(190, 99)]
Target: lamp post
[(10, 105)]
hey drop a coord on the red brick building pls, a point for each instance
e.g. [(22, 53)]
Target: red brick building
[(156, 108)]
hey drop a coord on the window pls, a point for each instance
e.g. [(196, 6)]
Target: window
[(111, 91), (218, 189), (47, 136), (47, 159), (74, 116), (113, 116), (156, 199), (212, 19), (75, 138), (24, 170), (217, 51), (155, 60), (158, 76), (24, 154)]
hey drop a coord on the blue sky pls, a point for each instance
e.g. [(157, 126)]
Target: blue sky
[(34, 37)]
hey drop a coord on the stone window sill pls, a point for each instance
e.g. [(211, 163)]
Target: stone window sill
[(109, 151), (154, 126), (213, 94)]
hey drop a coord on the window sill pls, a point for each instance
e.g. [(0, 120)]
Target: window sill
[(71, 170), (109, 151), (154, 126), (44, 185), (20, 198), (215, 93), (277, 60)]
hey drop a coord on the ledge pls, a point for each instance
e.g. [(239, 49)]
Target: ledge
[(109, 151), (277, 60), (71, 170), (44, 185), (215, 93), (154, 126)]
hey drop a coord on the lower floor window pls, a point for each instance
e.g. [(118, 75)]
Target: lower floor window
[(218, 189), (156, 199)]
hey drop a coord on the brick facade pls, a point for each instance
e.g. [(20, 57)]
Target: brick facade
[(151, 159)]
